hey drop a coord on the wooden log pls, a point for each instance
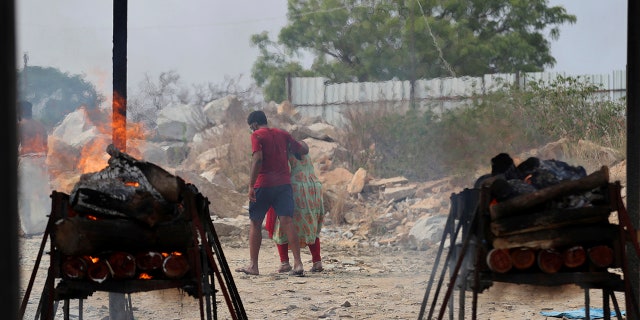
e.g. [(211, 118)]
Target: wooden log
[(523, 258), (520, 203), (574, 257), (175, 265), (550, 261), (550, 219), (81, 236), (139, 205), (98, 271), (149, 260), (499, 260), (122, 265), (601, 256), (74, 267), (558, 238)]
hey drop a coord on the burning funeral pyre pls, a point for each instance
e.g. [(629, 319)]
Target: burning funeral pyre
[(133, 227), (127, 221)]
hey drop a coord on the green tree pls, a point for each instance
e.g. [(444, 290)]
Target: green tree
[(54, 93), (357, 40)]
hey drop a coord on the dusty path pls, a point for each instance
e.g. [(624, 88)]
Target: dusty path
[(358, 283)]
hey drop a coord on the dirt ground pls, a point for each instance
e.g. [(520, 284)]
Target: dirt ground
[(357, 283)]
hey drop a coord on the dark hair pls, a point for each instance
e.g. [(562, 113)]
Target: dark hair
[(258, 117)]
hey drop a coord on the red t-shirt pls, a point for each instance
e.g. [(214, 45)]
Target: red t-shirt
[(273, 143)]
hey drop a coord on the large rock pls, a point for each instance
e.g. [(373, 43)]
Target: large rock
[(76, 129), (427, 231), (181, 122), (218, 111)]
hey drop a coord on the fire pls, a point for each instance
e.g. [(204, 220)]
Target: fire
[(94, 259), (132, 184), (144, 276), (90, 217), (93, 157)]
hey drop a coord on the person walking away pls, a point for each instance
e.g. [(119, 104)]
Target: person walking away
[(33, 177), (270, 186), (308, 214)]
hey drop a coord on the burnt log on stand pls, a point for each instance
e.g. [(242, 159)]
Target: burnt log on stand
[(523, 258), (601, 256), (122, 265), (559, 237), (551, 219), (75, 267), (517, 205), (574, 257), (82, 236), (550, 260)]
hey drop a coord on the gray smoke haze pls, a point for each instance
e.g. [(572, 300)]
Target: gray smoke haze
[(208, 40)]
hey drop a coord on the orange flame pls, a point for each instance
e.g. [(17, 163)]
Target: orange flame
[(145, 276), (90, 217), (132, 184), (94, 259), (93, 157)]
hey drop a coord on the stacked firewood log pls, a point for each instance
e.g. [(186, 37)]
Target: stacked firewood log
[(125, 222), (538, 231)]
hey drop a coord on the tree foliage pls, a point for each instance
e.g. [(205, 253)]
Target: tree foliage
[(54, 93), (359, 40)]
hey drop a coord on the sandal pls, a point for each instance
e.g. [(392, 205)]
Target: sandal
[(284, 267), (317, 267)]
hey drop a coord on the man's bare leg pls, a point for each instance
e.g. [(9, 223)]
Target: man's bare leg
[(294, 243), (255, 240)]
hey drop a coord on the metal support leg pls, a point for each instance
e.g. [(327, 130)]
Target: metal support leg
[(587, 304)]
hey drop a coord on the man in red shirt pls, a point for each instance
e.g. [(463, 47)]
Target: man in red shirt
[(270, 186)]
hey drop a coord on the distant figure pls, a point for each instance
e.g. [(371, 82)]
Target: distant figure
[(270, 186), (34, 202), (308, 213)]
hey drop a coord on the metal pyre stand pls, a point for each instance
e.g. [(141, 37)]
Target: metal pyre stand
[(207, 265), (468, 239)]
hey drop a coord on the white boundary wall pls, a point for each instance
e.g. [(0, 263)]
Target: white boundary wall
[(318, 97)]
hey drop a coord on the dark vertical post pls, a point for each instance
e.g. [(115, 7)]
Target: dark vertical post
[(9, 147), (120, 74), (633, 136), (117, 301)]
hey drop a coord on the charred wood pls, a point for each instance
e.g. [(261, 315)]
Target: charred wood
[(175, 266), (74, 267), (499, 260), (82, 236), (550, 261), (98, 271), (550, 219), (574, 257), (122, 265), (149, 260), (523, 258), (138, 205), (521, 203), (601, 256), (559, 237)]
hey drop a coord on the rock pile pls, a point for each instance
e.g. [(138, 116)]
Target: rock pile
[(196, 144)]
